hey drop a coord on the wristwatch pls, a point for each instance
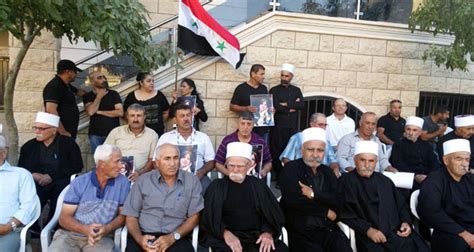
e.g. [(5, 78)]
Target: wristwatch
[(14, 226), (176, 236)]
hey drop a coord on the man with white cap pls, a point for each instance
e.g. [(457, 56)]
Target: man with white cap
[(309, 199), (51, 158), (240, 212), (412, 154), (374, 208), (17, 204), (464, 129), (446, 201), (287, 100)]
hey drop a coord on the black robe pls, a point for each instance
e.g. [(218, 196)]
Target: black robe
[(450, 136), (375, 202), (214, 198)]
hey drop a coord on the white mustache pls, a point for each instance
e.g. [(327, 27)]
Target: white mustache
[(236, 176)]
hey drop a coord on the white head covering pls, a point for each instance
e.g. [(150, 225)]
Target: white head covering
[(239, 149), (288, 67), (415, 121), (47, 118), (456, 145), (463, 120), (313, 134), (3, 142), (366, 147)]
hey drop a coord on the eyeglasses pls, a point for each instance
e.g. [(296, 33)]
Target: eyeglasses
[(322, 124), (40, 128)]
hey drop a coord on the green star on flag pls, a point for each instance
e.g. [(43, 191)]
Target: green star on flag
[(221, 46), (195, 24)]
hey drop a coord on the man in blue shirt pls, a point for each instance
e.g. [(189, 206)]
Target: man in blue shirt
[(17, 204), (93, 204)]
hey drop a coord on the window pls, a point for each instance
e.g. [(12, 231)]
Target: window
[(458, 104)]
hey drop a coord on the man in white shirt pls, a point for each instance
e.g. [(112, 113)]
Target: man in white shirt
[(339, 124)]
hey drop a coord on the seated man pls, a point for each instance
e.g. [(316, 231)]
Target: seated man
[(309, 199), (241, 213), (293, 148), (51, 158), (374, 208), (163, 206), (17, 204), (243, 134), (136, 140), (92, 206), (446, 200)]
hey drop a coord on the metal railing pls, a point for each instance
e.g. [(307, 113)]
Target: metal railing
[(458, 104)]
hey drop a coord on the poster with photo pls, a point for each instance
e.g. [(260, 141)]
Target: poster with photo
[(188, 157), (263, 116), (128, 166), (257, 161)]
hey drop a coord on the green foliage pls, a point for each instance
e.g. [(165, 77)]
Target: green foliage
[(117, 25), (453, 17)]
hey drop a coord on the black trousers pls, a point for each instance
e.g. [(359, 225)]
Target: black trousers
[(321, 240), (442, 242), (181, 245), (279, 138), (248, 247)]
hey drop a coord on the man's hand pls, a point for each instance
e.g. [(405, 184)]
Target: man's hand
[(200, 173), (148, 243), (306, 190), (5, 229), (442, 129), (101, 92), (95, 232), (349, 168), (232, 241), (252, 109), (132, 177), (196, 111), (405, 230), (420, 178), (376, 236), (335, 168), (263, 173), (331, 215), (37, 177), (468, 238), (391, 169), (284, 104), (164, 242), (266, 242), (45, 180)]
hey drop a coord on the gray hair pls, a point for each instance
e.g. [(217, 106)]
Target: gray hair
[(316, 116), (104, 152), (157, 153), (136, 107)]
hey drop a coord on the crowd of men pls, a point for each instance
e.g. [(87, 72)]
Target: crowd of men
[(330, 173)]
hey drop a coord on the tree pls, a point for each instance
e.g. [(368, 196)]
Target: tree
[(119, 26), (453, 17)]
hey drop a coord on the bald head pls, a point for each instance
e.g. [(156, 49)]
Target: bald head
[(160, 150), (98, 80)]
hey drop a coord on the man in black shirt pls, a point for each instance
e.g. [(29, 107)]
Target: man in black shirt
[(391, 126), (59, 98), (240, 101), (104, 108), (464, 129), (287, 100)]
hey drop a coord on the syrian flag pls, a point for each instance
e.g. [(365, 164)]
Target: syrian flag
[(199, 33)]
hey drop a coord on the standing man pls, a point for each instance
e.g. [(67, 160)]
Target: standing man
[(464, 129), (391, 126), (435, 125), (339, 124), (59, 98), (104, 108), (287, 100), (240, 101)]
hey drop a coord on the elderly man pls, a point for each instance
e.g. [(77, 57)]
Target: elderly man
[(92, 205), (339, 124), (163, 206), (287, 100), (17, 204), (374, 208), (185, 134), (136, 140), (390, 127), (464, 129), (411, 154), (293, 148), (51, 158), (446, 200), (104, 108), (232, 220), (309, 199), (365, 132), (243, 134)]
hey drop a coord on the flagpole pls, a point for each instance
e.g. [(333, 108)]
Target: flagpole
[(175, 54)]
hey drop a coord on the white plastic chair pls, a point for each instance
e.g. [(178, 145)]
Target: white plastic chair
[(349, 232), (47, 232), (414, 204), (24, 230)]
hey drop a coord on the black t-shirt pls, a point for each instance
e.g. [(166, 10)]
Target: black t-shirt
[(154, 108), (394, 129), (101, 125), (241, 97), (58, 92)]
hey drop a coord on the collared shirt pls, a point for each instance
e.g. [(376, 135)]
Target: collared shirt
[(17, 194), (336, 128), (255, 139), (141, 146), (159, 208), (294, 98), (205, 151), (293, 150), (96, 205), (393, 128), (346, 148)]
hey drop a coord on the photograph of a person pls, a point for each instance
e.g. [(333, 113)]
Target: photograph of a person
[(257, 161), (127, 166), (264, 114), (188, 157)]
